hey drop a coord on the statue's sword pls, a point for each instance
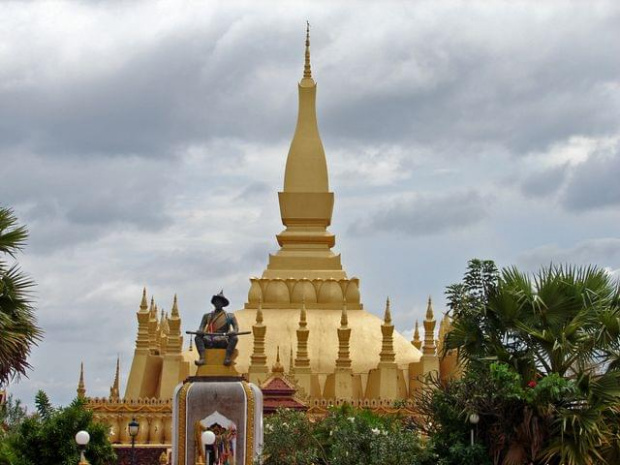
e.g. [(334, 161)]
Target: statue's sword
[(203, 333)]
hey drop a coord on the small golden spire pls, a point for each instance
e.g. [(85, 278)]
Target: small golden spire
[(302, 362), (387, 354), (175, 307), (191, 344), (429, 309), (387, 318), (343, 362), (277, 367), (165, 327), (143, 303), (114, 389), (258, 359), (307, 70), (81, 389), (429, 347), (417, 343)]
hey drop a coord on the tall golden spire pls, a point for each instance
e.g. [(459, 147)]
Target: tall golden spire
[(306, 166), (81, 389), (306, 204)]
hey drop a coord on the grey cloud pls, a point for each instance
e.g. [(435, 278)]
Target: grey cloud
[(524, 87), (182, 88), (595, 182), (544, 183), (254, 190), (604, 252), (70, 200), (425, 215)]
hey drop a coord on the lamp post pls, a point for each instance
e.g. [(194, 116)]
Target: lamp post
[(133, 428), (474, 418), (207, 438), (82, 438)]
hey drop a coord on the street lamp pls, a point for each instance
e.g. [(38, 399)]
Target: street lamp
[(82, 438), (133, 428), (207, 438), (474, 418)]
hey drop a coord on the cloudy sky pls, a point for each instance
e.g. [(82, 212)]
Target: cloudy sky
[(143, 144)]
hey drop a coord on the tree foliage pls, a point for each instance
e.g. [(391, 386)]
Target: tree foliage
[(558, 333), (18, 328), (48, 436)]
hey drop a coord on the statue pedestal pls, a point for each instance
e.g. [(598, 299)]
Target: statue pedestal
[(219, 400), (214, 366)]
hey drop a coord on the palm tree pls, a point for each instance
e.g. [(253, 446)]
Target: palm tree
[(563, 321), (18, 328)]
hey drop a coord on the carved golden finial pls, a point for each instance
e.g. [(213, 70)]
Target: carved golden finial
[(277, 367), (143, 303), (191, 344), (152, 307), (81, 389), (387, 318), (175, 307), (114, 389), (259, 311), (417, 343), (307, 70)]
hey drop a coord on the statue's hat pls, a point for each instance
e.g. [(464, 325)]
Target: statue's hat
[(221, 298)]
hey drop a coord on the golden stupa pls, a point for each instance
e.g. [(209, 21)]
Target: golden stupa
[(304, 304)]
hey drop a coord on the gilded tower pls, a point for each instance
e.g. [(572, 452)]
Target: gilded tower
[(304, 304)]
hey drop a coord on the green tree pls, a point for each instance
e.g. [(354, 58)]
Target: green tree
[(18, 328), (49, 439), (12, 414), (562, 322)]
